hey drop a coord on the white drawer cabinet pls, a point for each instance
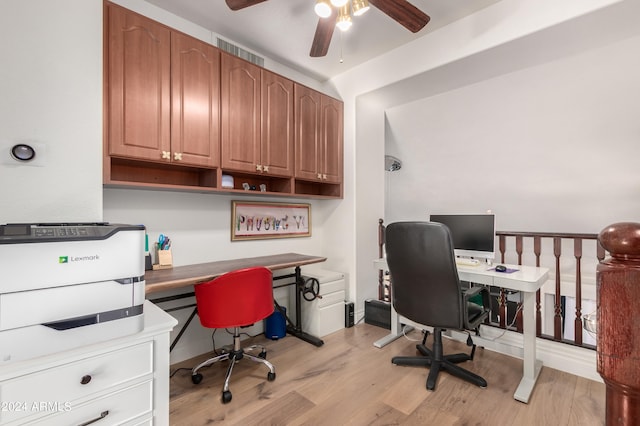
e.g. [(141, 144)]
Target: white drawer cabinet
[(122, 381), (326, 315)]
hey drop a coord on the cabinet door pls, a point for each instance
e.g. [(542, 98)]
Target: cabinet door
[(240, 112), (277, 125), (307, 133), (195, 98), (138, 86), (332, 136)]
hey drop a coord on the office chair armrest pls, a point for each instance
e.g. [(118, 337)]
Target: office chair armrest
[(474, 291)]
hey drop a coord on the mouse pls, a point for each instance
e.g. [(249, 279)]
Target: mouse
[(501, 268)]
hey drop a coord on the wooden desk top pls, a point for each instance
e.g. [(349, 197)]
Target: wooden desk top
[(182, 276)]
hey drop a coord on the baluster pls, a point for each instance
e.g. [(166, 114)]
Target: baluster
[(557, 318), (577, 252), (519, 248), (502, 308), (502, 302), (519, 311), (537, 250)]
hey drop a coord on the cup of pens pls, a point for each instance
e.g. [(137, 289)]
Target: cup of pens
[(163, 253)]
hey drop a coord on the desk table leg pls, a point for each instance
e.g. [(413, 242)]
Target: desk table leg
[(296, 330), (531, 366), (396, 328)]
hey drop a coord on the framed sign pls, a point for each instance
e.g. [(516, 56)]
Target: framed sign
[(254, 220)]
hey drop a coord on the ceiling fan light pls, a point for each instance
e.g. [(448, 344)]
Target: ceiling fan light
[(339, 3), (344, 19), (322, 8), (359, 7)]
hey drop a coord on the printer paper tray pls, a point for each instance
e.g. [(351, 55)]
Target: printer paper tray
[(47, 305)]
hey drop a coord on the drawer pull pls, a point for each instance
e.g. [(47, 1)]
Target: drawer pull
[(85, 379), (102, 416)]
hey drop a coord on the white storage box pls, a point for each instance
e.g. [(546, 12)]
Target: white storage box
[(324, 316)]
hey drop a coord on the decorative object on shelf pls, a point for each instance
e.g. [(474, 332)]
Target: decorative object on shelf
[(227, 181), (254, 220)]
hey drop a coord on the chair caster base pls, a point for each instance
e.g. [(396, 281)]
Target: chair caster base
[(196, 378), (226, 397), (271, 376)]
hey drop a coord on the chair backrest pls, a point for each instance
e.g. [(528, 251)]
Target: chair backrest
[(425, 287), (235, 299)]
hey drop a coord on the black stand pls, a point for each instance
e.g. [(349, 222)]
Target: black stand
[(296, 329)]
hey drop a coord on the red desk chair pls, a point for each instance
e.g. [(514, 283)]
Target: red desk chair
[(235, 299)]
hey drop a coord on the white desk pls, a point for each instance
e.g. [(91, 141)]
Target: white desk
[(527, 279)]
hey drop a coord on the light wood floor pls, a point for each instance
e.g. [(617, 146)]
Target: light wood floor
[(350, 382)]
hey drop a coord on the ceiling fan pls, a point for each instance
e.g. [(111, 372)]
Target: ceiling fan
[(401, 11)]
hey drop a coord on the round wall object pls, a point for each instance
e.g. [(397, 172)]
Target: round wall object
[(23, 152)]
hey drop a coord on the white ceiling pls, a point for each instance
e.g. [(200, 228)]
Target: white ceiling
[(283, 30)]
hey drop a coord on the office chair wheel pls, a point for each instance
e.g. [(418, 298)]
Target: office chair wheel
[(196, 378), (263, 354), (271, 376), (226, 397)]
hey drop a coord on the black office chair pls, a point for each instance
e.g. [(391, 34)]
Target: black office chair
[(425, 289)]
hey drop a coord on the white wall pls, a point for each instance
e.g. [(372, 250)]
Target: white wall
[(549, 148), (51, 95)]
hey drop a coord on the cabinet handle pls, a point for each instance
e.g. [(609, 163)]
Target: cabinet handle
[(266, 168), (259, 167), (324, 176), (97, 419), (166, 155), (319, 175), (85, 379), (177, 156)]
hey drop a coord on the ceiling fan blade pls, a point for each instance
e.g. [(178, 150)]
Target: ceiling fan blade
[(322, 38), (404, 13), (241, 4)]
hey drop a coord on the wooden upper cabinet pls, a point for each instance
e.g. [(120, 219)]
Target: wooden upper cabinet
[(331, 135), (277, 125), (178, 113), (163, 91), (307, 133), (138, 87), (195, 85), (319, 136), (257, 119), (240, 114)]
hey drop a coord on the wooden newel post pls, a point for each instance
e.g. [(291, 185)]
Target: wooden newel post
[(618, 322)]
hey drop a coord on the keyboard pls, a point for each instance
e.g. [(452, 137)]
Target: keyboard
[(467, 262)]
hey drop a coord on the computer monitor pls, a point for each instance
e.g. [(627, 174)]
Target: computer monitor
[(473, 235)]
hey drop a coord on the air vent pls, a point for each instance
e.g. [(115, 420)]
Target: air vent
[(241, 53)]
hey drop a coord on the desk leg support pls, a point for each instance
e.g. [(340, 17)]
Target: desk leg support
[(396, 328), (296, 330), (530, 365)]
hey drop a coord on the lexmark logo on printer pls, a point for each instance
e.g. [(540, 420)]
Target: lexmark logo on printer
[(67, 259)]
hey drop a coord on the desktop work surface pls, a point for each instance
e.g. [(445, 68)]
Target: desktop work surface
[(187, 275), (528, 280)]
